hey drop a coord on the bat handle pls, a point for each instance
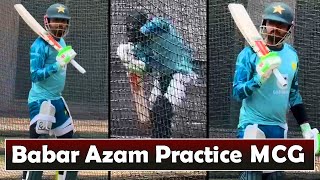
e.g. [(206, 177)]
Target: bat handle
[(77, 66), (280, 78)]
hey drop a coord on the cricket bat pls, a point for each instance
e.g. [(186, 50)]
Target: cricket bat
[(38, 29), (251, 34), (137, 90)]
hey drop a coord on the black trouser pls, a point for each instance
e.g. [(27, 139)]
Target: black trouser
[(162, 112)]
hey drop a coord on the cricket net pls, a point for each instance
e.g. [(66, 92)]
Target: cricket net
[(189, 119), (86, 95), (225, 43)]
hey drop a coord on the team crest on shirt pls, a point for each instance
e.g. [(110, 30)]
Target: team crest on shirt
[(294, 66)]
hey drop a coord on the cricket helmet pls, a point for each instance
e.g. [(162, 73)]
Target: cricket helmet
[(278, 12), (134, 21), (57, 11)]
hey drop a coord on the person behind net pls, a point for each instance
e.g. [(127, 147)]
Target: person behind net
[(156, 46), (264, 101), (48, 110)]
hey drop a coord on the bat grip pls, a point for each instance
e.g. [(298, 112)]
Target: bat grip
[(280, 78), (77, 66)]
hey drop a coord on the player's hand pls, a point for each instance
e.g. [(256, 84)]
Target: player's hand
[(266, 65), (309, 133), (193, 77), (126, 55), (136, 66), (65, 55), (124, 51)]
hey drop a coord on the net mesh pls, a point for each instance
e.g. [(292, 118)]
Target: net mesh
[(225, 43), (86, 95), (189, 119)]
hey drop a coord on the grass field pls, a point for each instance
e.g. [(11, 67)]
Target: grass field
[(18, 128)]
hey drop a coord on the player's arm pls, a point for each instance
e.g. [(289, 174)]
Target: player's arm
[(39, 71), (244, 83), (299, 112), (296, 105), (156, 25), (130, 60), (149, 56), (245, 79)]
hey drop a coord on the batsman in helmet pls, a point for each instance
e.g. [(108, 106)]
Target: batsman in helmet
[(265, 102), (155, 47), (49, 113)]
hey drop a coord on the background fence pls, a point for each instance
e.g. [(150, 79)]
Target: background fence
[(87, 95), (189, 17), (226, 42)]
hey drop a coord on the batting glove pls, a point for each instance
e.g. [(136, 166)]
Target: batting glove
[(65, 55), (309, 133), (126, 55), (266, 65)]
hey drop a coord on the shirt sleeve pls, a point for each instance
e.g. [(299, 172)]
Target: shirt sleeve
[(295, 100), (244, 82), (39, 71), (143, 53), (156, 25), (294, 96)]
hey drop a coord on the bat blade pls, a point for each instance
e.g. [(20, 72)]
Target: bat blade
[(251, 34), (40, 31), (139, 99)]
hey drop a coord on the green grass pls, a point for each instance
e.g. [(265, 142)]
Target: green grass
[(2, 141), (1, 160)]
